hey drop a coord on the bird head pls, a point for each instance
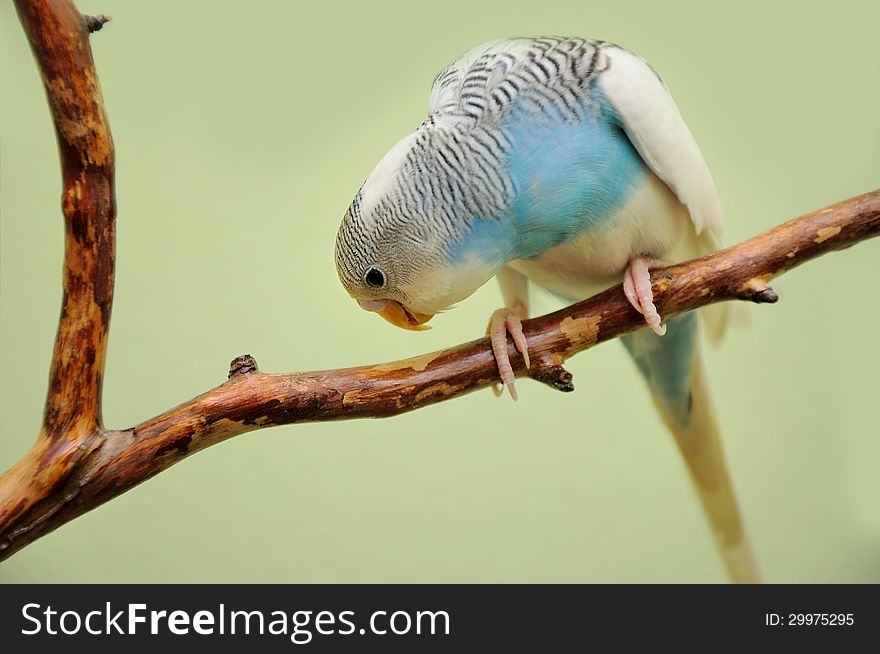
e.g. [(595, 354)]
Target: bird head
[(399, 250)]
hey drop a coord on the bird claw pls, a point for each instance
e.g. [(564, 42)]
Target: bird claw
[(503, 322), (637, 288)]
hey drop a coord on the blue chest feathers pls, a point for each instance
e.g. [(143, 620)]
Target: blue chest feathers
[(569, 176)]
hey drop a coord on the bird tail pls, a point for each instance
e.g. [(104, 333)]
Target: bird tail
[(673, 368)]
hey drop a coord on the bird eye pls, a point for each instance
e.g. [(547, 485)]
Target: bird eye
[(375, 277)]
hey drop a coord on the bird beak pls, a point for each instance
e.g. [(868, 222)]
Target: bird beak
[(398, 315)]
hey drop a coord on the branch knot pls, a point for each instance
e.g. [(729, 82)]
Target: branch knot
[(95, 23), (554, 375), (242, 365)]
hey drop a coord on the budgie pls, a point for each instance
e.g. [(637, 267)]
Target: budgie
[(563, 162)]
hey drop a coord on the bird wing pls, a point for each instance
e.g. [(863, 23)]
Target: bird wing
[(565, 76), (651, 120), (448, 85), (483, 80)]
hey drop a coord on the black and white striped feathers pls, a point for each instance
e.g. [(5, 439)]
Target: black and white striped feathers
[(450, 176)]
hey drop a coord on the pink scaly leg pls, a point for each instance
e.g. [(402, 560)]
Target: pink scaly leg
[(637, 288), (502, 322)]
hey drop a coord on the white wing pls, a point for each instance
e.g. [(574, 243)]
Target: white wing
[(654, 125)]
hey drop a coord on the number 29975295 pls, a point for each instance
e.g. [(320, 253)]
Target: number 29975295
[(809, 619)]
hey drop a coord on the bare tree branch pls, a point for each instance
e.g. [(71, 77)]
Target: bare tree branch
[(76, 464), (71, 428)]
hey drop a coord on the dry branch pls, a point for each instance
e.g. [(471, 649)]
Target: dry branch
[(77, 465), (71, 429)]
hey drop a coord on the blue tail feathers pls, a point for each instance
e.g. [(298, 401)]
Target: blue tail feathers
[(666, 363)]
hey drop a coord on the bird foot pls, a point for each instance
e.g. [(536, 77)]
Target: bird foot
[(637, 287), (503, 322)]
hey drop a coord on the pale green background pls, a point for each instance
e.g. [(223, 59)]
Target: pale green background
[(244, 129)]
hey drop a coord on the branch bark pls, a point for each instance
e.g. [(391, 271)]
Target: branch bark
[(72, 428), (76, 464)]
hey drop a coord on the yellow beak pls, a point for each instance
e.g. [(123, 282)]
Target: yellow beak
[(398, 315)]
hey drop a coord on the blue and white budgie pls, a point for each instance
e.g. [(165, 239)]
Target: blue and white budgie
[(562, 161)]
